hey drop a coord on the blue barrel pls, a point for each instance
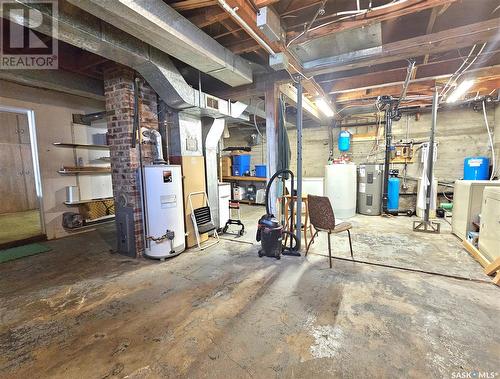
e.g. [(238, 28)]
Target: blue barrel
[(242, 160), (393, 194), (476, 168), (260, 170), (344, 140)]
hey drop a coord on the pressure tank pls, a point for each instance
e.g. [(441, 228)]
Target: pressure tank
[(340, 188), (370, 179), (164, 211), (393, 194), (344, 140), (476, 168)]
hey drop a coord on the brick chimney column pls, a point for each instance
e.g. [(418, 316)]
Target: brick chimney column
[(125, 160)]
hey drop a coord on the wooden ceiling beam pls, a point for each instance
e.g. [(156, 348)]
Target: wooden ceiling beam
[(398, 10), (446, 40), (187, 5), (419, 88), (209, 16), (435, 70), (265, 3), (299, 5), (243, 46), (249, 17), (482, 85), (234, 31)]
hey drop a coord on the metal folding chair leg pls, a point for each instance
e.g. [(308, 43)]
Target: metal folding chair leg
[(350, 243), (310, 242)]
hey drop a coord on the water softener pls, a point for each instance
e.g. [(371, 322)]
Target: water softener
[(393, 193)]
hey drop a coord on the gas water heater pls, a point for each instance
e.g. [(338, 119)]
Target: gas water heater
[(164, 211)]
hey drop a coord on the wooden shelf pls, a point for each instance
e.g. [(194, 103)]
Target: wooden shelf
[(81, 145), (87, 201), (244, 178)]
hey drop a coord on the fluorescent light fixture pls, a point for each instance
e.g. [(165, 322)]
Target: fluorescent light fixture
[(460, 91), (324, 106)]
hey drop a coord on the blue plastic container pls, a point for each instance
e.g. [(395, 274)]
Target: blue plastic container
[(241, 170), (261, 170), (476, 168), (242, 160), (344, 140), (236, 170), (393, 194)]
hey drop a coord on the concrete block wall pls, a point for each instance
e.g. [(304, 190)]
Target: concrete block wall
[(125, 160), (460, 133)]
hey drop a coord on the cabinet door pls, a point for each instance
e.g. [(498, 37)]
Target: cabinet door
[(12, 185), (17, 179)]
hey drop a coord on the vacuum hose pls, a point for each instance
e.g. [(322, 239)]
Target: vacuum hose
[(270, 183)]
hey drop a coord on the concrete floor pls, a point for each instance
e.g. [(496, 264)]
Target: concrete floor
[(81, 311), (20, 225)]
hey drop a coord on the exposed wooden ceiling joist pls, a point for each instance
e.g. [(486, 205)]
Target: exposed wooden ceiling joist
[(264, 3), (209, 16), (483, 84), (378, 15), (187, 5), (248, 16), (427, 71), (243, 46), (437, 42)]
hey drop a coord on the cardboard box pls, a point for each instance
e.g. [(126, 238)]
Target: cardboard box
[(226, 166)]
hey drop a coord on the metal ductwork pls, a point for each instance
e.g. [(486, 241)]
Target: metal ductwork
[(85, 31), (212, 130), (159, 25), (168, 82)]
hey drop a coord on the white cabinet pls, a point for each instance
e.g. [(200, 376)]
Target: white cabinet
[(467, 201), (489, 233)]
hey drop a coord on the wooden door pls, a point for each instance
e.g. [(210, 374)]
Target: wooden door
[(17, 180)]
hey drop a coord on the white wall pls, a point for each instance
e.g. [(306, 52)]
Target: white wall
[(53, 117)]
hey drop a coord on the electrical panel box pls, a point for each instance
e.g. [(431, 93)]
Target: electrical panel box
[(269, 22), (489, 232), (278, 61), (467, 202)]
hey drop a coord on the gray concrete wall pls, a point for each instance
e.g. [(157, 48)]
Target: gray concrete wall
[(460, 133)]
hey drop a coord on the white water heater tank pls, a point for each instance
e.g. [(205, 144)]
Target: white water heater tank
[(164, 211), (340, 188)]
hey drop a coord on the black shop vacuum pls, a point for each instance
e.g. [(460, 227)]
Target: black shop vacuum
[(270, 232)]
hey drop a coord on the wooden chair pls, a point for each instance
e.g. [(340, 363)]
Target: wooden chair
[(323, 220)]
